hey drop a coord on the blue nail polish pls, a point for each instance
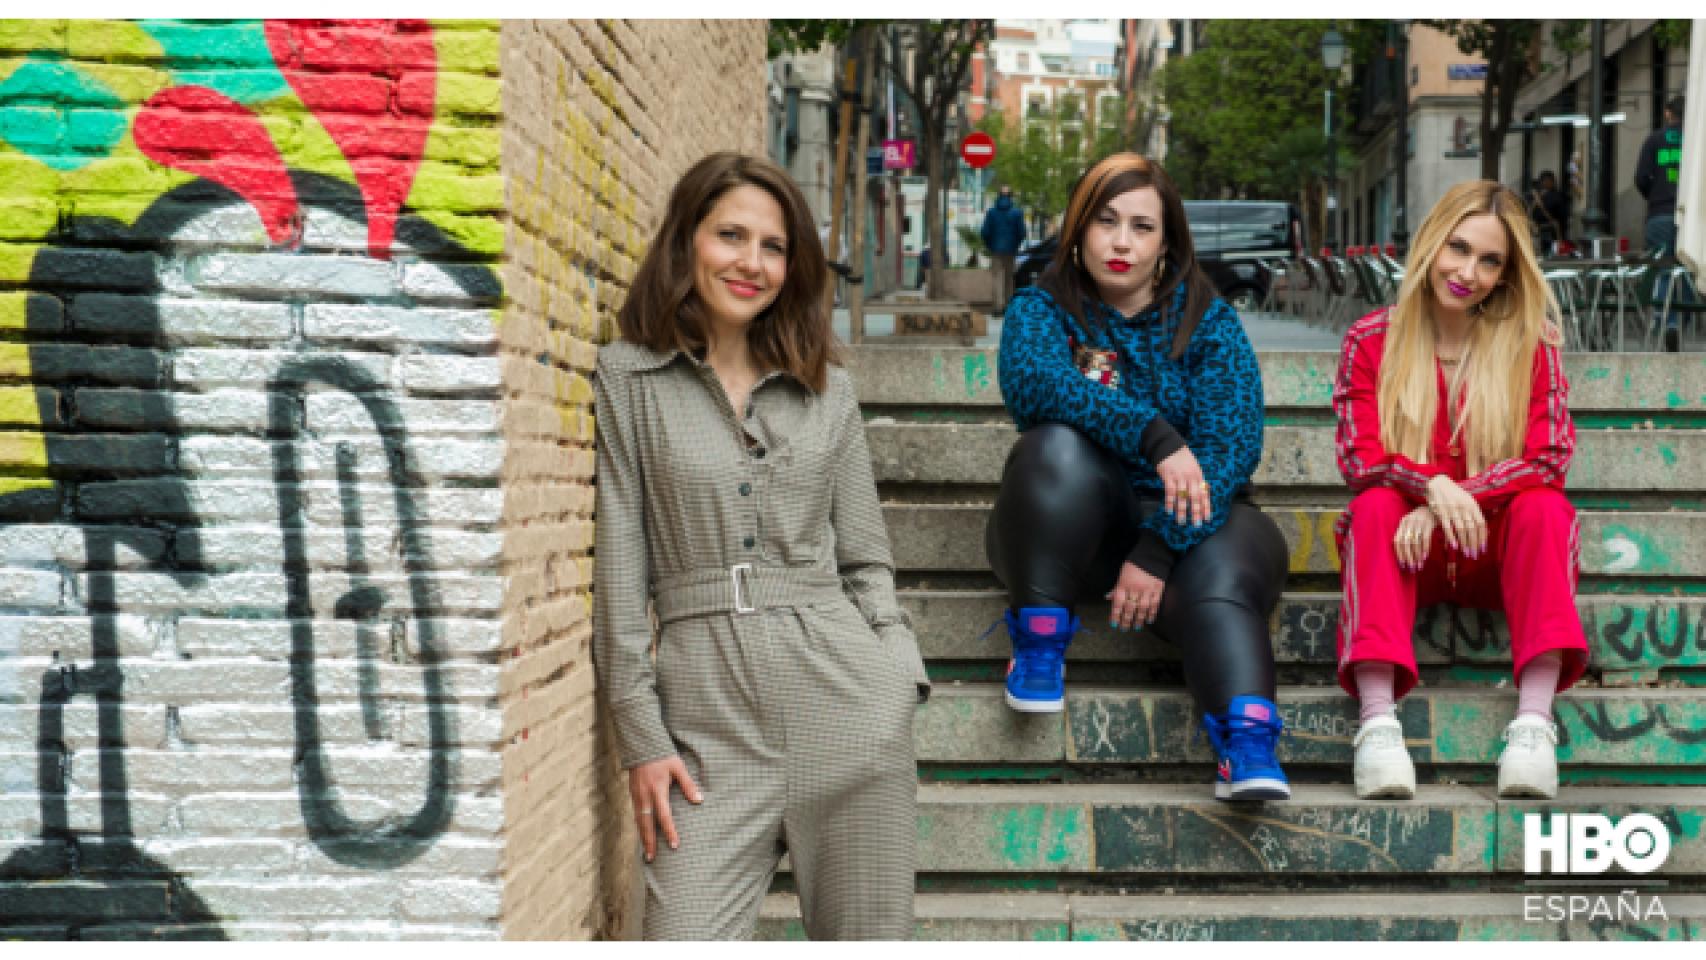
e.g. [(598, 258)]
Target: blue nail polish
[(1113, 624)]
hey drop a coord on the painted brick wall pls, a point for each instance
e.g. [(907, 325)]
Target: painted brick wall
[(293, 520), (601, 119)]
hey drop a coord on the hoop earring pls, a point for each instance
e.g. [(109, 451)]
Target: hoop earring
[(1160, 270)]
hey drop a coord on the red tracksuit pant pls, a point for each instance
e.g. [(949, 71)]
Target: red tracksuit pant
[(1528, 571)]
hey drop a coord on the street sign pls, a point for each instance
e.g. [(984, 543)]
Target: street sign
[(977, 150), (898, 155)]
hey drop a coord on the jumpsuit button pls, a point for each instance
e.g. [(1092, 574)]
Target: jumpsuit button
[(749, 543), (746, 489), (758, 452)]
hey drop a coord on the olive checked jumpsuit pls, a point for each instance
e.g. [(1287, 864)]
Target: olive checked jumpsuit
[(786, 675)]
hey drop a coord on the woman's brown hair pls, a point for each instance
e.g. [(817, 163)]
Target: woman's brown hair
[(1071, 285), (662, 311)]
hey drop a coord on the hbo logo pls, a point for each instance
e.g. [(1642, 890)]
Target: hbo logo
[(1591, 843)]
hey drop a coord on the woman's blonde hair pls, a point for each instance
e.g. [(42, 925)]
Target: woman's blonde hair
[(1510, 324)]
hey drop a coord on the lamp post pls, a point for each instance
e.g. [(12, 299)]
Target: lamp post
[(1594, 218), (1400, 231), (1333, 58)]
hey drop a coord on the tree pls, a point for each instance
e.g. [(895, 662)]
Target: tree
[(942, 52), (1512, 50), (1246, 109), (1042, 156), (933, 79)]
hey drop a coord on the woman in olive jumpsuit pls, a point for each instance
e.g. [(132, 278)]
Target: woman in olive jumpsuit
[(735, 500)]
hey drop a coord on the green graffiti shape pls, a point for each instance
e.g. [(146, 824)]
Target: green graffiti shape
[(231, 57), (33, 105), (977, 374)]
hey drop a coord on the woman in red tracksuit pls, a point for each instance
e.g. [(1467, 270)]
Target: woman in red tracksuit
[(1454, 436)]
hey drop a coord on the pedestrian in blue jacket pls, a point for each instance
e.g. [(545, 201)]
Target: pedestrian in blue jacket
[(1003, 234), (1139, 405)]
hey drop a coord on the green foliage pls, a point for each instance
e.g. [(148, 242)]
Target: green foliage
[(1247, 108), (1042, 156), (804, 36), (973, 241), (1672, 33)]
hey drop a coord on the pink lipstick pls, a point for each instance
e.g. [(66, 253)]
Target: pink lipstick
[(1119, 266), (1457, 289)]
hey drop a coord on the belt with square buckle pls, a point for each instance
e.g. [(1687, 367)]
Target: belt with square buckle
[(742, 589)]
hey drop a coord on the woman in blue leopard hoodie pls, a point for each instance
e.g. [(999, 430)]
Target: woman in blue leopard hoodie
[(1139, 405)]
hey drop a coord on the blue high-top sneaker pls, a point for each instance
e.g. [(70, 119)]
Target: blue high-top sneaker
[(1244, 740), (1036, 676)]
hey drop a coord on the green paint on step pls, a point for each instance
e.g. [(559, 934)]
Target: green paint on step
[(1674, 399), (1037, 831), (1597, 373), (977, 374)]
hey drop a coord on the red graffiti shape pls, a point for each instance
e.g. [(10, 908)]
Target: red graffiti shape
[(204, 132), (347, 73)]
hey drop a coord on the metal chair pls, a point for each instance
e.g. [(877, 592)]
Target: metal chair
[(1567, 289), (1614, 291)]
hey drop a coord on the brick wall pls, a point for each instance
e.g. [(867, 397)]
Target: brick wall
[(293, 522), (601, 119)]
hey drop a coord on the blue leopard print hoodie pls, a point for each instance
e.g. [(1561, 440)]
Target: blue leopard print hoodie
[(1209, 399)]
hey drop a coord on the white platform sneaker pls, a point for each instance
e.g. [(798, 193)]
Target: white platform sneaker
[(1383, 767), (1529, 765)]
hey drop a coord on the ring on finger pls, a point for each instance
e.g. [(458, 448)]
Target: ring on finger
[(644, 811)]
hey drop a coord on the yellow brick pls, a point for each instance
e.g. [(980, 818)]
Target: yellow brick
[(19, 406), (10, 485), (32, 36), (14, 310), (23, 451)]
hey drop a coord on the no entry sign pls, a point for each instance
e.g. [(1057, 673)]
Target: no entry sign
[(977, 150)]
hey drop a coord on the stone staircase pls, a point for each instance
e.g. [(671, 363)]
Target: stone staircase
[(1098, 823)]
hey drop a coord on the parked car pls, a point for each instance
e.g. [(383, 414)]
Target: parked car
[(1233, 238), (1031, 260)]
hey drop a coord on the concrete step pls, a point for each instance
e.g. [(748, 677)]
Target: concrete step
[(970, 724), (1324, 830), (1505, 915), (1645, 546), (1665, 386), (1630, 637), (973, 454)]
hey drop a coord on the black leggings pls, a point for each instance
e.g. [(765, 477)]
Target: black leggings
[(1060, 531)]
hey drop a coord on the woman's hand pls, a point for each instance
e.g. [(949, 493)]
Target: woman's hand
[(1459, 514), (648, 787), (1182, 485), (1415, 536), (1135, 599)]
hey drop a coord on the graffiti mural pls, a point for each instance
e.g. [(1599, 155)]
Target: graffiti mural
[(209, 395)]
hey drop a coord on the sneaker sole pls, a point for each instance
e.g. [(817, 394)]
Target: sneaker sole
[(1388, 791), (1035, 706), (1257, 789)]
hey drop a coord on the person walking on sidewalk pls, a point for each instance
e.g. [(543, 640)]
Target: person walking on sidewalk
[(1656, 174), (771, 710), (1454, 434), (1003, 234), (1139, 405)]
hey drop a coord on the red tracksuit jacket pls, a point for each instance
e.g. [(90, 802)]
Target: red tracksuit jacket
[(1365, 462)]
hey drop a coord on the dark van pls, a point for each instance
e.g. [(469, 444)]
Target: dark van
[(1232, 238)]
